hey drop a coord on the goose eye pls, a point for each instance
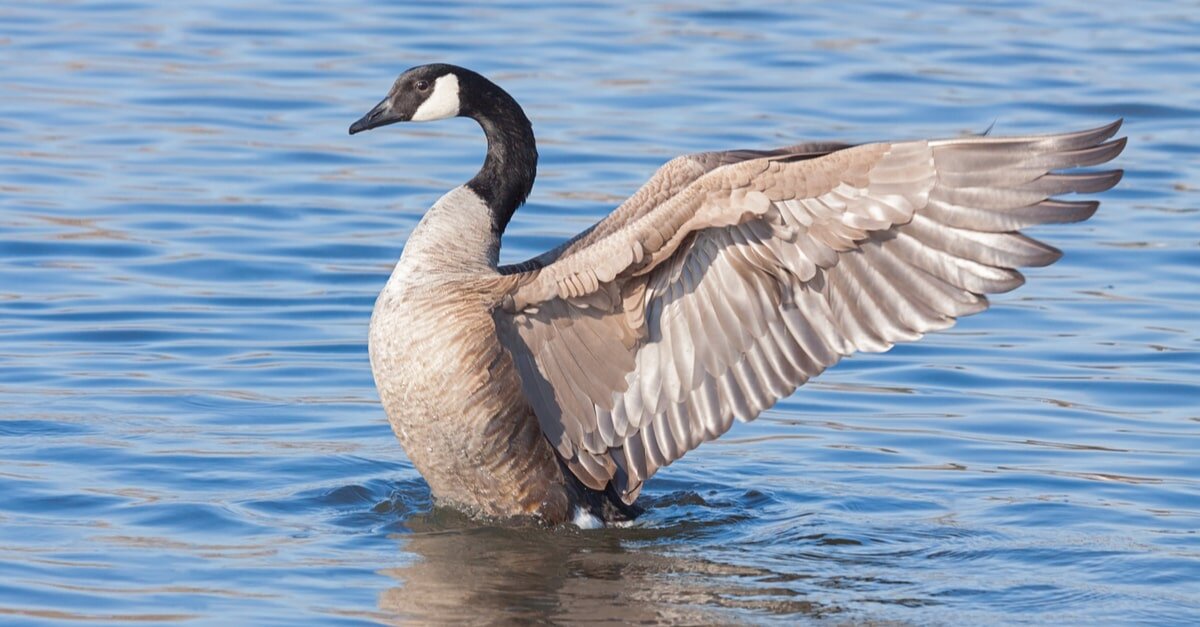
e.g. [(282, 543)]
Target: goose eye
[(422, 85)]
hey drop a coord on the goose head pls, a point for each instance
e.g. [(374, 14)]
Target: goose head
[(420, 94), (439, 91)]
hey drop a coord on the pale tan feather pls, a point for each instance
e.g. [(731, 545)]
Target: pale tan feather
[(727, 282)]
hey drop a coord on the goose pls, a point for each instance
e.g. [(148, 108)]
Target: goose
[(552, 390)]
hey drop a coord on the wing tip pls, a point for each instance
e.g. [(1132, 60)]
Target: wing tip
[(1001, 287), (1080, 211), (1116, 175), (1096, 182), (1071, 140), (1046, 256), (1111, 128), (1085, 138)]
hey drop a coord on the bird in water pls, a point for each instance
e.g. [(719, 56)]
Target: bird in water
[(555, 388)]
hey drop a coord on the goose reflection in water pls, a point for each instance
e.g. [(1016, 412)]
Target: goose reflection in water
[(463, 573)]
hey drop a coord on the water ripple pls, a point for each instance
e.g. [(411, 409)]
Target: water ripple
[(190, 247)]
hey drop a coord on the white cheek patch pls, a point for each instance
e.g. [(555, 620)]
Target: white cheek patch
[(442, 103)]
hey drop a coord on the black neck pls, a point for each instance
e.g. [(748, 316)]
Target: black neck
[(506, 178)]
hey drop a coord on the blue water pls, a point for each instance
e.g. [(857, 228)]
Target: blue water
[(190, 246)]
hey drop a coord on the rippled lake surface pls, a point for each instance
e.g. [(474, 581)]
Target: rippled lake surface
[(190, 247)]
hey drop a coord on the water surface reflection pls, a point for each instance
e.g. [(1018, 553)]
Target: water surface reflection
[(465, 573), (190, 247)]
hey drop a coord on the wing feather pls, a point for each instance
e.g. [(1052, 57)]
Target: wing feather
[(730, 279)]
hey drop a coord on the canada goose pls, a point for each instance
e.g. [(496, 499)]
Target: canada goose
[(556, 387)]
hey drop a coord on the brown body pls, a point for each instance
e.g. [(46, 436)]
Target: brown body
[(450, 390)]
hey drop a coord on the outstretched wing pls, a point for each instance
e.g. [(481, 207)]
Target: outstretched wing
[(653, 331)]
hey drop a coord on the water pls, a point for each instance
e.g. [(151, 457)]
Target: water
[(190, 246)]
